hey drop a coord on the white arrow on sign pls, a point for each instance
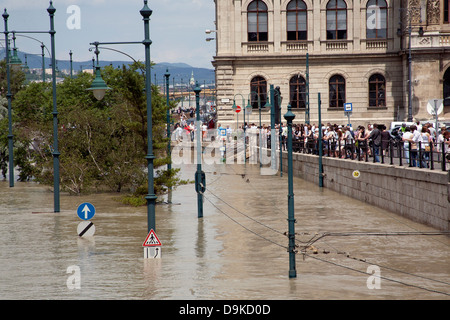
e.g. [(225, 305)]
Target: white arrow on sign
[(86, 211)]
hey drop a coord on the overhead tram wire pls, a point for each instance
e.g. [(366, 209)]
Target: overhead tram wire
[(328, 234), (240, 224), (326, 261), (383, 266), (383, 234), (381, 277), (245, 215)]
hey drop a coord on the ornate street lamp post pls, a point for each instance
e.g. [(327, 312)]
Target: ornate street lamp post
[(9, 96), (169, 149), (200, 181), (99, 87), (289, 116), (51, 11)]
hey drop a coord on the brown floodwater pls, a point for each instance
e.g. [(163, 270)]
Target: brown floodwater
[(236, 251)]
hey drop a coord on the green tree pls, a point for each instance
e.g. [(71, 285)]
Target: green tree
[(17, 80), (102, 143)]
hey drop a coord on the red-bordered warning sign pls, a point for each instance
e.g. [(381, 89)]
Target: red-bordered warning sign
[(152, 240)]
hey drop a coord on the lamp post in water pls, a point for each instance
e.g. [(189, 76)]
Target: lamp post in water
[(51, 11), (169, 149), (200, 180), (289, 116), (99, 88), (9, 96), (320, 143)]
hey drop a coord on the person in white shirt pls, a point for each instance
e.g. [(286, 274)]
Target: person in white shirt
[(229, 132), (414, 145), (204, 131), (407, 138), (192, 130)]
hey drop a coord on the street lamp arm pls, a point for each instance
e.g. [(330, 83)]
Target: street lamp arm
[(90, 49), (42, 43), (96, 43)]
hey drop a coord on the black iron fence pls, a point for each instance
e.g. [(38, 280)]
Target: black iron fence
[(429, 156)]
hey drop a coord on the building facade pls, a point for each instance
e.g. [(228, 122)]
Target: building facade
[(388, 58)]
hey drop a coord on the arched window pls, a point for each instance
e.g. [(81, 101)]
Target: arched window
[(336, 20), (337, 91), (446, 96), (376, 18), (297, 92), (296, 20), (257, 21), (377, 91), (258, 88)]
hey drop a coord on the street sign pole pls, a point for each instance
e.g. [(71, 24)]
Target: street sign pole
[(348, 108)]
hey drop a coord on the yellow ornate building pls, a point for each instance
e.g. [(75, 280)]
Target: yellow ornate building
[(388, 58)]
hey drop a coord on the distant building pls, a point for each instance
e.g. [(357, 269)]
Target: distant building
[(358, 53)]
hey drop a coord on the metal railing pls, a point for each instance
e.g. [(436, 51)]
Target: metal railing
[(392, 152)]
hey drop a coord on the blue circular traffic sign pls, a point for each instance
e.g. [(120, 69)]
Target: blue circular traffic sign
[(86, 211)]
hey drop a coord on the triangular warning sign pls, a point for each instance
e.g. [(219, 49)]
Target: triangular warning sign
[(151, 240)]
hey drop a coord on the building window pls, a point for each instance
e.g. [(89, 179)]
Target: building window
[(377, 91), (376, 17), (336, 20), (446, 96), (446, 11), (296, 20), (297, 92), (257, 21), (258, 88), (337, 91)]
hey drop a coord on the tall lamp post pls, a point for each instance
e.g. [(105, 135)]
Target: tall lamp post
[(51, 11), (410, 119), (307, 111), (146, 12), (169, 149), (320, 142), (249, 107), (9, 96), (42, 53), (289, 116), (200, 181), (409, 11), (71, 64)]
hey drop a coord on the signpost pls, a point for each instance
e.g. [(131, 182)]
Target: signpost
[(152, 246), (434, 108), (237, 110), (348, 108), (85, 211), (86, 229)]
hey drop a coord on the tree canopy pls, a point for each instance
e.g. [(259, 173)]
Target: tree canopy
[(102, 143)]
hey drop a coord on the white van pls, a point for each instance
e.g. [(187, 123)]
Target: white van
[(399, 124)]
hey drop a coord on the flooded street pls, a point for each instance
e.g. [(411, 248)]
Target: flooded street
[(236, 251)]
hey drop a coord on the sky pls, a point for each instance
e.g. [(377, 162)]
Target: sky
[(177, 28)]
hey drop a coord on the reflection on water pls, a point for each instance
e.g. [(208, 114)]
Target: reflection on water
[(236, 251)]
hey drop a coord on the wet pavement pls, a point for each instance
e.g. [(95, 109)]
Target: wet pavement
[(236, 251)]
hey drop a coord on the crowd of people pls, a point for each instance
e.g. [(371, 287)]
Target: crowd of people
[(414, 143)]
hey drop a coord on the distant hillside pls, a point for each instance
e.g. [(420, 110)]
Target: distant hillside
[(180, 71)]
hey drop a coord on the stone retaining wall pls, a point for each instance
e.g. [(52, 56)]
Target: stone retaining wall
[(419, 194)]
